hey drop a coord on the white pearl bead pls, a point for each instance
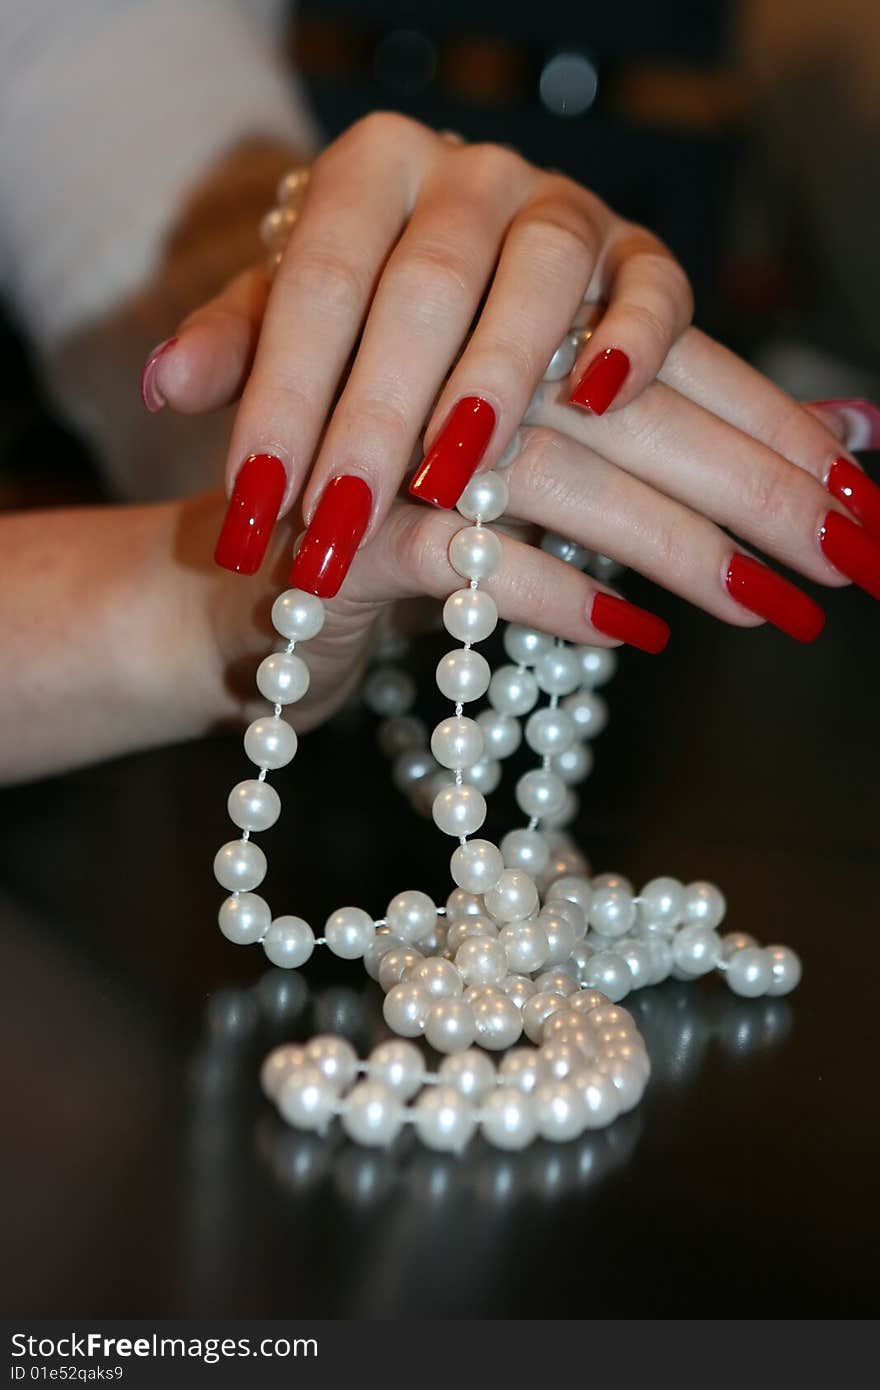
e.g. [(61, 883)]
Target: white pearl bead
[(556, 982), (498, 1022), (471, 1073), (444, 1119), (411, 915), (484, 775), (412, 767), (557, 1060), (481, 960), (397, 1065), (470, 615), (599, 1094), (561, 362), (467, 927), (749, 972), (485, 498), (406, 1008), (372, 1115), (560, 935), (396, 964), (589, 712), (613, 880), (438, 977), (560, 1110), (612, 911), (540, 793), (348, 932), (244, 918), (462, 904), (566, 550), (574, 764), (507, 1119), (609, 972), (519, 989), (449, 1026), (574, 888), (292, 187), (585, 1000), (567, 812), (463, 676), (282, 678), (401, 734), (785, 968), (459, 810), (537, 1011), (662, 960), (525, 944), (696, 949), (558, 671), (298, 616), (384, 941), (307, 1099), (549, 731), (525, 849), (475, 552), (519, 1069), (703, 903), (512, 691), (239, 866), (276, 1068), (640, 961), (270, 743), (524, 645), (334, 1057), (513, 896), (502, 734), (735, 941), (598, 665), (628, 1079), (457, 742), (389, 691), (476, 865), (253, 805), (275, 228), (289, 942), (661, 903)]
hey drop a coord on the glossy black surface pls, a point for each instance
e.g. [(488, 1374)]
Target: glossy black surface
[(143, 1174)]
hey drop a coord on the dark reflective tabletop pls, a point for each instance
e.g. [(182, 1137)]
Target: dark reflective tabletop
[(144, 1175)]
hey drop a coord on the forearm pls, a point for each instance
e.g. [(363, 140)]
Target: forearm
[(105, 625)]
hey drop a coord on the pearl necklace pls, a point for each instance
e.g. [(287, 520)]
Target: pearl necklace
[(527, 942)]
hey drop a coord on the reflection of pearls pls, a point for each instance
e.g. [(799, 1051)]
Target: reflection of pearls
[(529, 943)]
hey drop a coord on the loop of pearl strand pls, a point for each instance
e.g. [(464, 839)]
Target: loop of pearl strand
[(481, 974)]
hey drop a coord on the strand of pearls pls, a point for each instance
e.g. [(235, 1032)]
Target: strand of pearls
[(527, 942)]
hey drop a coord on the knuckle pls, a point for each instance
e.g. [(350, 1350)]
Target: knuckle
[(327, 275), (512, 358), (652, 324), (434, 274), (492, 163), (421, 551), (385, 416), (379, 127), (769, 494), (558, 237)]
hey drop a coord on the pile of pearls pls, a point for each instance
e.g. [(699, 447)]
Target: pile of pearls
[(591, 1067), (527, 943)]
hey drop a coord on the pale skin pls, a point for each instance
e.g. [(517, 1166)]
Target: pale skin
[(120, 613)]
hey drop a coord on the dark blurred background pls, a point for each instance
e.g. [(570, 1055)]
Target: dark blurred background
[(144, 1175)]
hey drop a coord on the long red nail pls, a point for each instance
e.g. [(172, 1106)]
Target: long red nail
[(601, 381), (858, 494), (447, 468), (763, 591), (335, 532), (150, 394), (860, 418), (251, 514), (852, 551), (617, 618)]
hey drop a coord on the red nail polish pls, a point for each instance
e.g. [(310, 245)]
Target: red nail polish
[(860, 418), (447, 468), (251, 514), (852, 551), (601, 381), (150, 394), (617, 618), (858, 494), (762, 591), (334, 534)]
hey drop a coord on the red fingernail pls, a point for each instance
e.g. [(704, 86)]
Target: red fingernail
[(617, 618), (445, 471), (601, 381), (858, 494), (860, 418), (762, 591), (335, 532), (251, 514), (150, 394), (852, 551)]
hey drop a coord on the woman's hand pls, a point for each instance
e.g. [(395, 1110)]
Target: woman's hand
[(407, 243)]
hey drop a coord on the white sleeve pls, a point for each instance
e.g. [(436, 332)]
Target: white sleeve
[(110, 111)]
